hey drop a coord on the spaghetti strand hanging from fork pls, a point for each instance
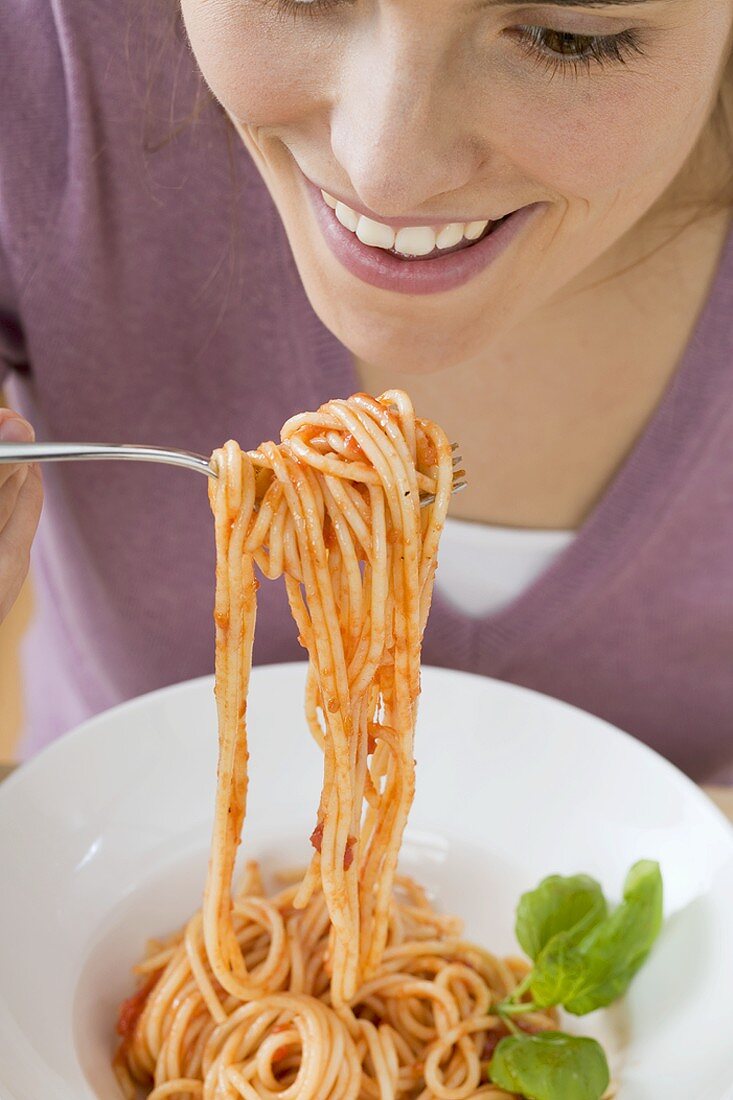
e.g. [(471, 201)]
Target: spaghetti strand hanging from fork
[(335, 507)]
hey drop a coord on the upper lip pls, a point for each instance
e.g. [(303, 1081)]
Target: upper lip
[(415, 220)]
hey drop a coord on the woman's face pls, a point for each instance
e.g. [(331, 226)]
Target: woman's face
[(568, 120)]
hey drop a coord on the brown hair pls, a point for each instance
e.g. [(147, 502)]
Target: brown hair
[(161, 52)]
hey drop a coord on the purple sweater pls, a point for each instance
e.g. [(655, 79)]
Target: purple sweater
[(149, 295)]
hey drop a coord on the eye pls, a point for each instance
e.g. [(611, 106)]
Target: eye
[(564, 49)]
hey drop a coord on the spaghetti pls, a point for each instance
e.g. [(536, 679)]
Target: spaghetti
[(346, 985)]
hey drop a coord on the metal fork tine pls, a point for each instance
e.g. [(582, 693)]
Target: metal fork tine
[(458, 474), (430, 499)]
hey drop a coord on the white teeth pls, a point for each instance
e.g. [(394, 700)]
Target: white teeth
[(474, 230), (374, 233), (348, 218), (450, 236), (417, 240)]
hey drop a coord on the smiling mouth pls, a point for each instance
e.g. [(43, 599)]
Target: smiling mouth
[(419, 242)]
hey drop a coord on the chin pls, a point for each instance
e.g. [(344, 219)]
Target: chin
[(397, 343), (414, 335)]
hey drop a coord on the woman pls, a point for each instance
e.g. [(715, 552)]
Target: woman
[(516, 211)]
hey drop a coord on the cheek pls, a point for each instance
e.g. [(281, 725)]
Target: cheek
[(623, 136), (255, 64)]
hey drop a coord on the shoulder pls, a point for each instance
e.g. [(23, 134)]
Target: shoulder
[(32, 131), (26, 25), (77, 77), (31, 84), (75, 43)]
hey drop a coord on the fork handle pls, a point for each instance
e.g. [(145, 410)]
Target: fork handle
[(73, 452)]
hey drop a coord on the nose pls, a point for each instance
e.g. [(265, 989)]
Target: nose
[(398, 128)]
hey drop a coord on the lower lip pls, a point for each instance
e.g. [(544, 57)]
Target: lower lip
[(382, 269)]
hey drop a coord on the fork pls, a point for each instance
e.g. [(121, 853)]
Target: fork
[(136, 452)]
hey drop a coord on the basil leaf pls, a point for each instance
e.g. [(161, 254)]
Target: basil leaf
[(574, 905), (551, 1066), (560, 971), (591, 974)]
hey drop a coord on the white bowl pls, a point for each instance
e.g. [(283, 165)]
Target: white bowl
[(103, 843)]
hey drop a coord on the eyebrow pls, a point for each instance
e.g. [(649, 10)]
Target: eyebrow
[(565, 3)]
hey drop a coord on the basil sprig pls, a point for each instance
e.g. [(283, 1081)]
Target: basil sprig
[(589, 973), (584, 958)]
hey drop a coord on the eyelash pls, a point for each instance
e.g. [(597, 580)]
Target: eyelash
[(578, 51)]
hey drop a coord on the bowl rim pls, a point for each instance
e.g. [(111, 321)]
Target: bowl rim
[(27, 769)]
